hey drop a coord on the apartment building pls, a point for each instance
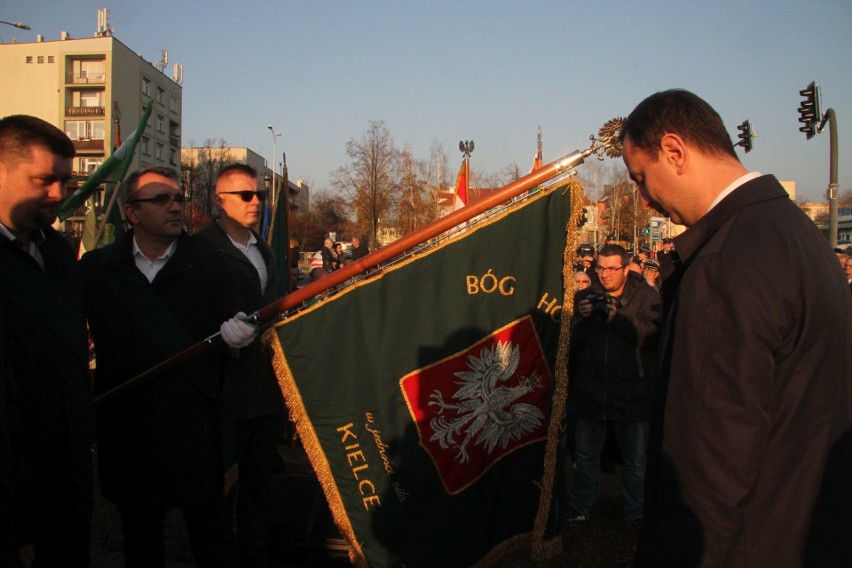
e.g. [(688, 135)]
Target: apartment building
[(95, 89)]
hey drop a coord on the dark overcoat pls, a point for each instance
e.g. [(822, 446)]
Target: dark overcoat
[(48, 425), (756, 364), (613, 363), (256, 391), (161, 444)]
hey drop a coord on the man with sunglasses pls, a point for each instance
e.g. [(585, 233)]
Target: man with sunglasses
[(614, 334), (259, 406), (46, 421), (165, 444)]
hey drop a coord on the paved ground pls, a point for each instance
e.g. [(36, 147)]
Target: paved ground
[(604, 541)]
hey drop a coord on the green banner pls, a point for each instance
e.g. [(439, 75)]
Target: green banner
[(423, 394), (114, 168)]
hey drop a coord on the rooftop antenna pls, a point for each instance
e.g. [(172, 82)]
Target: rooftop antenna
[(104, 29), (164, 60)]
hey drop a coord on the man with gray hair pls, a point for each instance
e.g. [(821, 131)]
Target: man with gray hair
[(167, 443)]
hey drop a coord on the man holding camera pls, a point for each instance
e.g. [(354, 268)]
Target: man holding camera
[(614, 332)]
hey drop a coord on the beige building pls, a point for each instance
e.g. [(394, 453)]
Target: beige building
[(95, 89)]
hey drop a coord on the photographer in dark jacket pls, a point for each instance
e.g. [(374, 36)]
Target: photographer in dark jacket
[(615, 329)]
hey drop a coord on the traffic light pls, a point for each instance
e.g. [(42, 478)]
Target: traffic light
[(809, 114), (745, 136)]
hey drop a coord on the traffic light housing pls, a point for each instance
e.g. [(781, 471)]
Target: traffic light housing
[(746, 136), (809, 114)]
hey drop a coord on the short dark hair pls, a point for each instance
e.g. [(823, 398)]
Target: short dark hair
[(680, 112), (237, 168), (615, 250), (131, 182), (19, 133)]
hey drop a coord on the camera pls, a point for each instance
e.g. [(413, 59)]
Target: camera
[(600, 306)]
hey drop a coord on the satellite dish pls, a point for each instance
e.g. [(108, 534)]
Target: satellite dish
[(461, 145)]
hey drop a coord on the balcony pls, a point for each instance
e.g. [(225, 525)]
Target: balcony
[(84, 111), (89, 145), (90, 79)]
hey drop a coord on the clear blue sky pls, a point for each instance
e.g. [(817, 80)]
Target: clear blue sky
[(493, 72)]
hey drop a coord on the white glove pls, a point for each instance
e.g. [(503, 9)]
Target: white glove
[(236, 332)]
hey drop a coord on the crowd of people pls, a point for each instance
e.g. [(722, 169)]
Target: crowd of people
[(726, 387)]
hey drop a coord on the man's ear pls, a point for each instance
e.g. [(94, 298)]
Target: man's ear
[(130, 214), (674, 152)]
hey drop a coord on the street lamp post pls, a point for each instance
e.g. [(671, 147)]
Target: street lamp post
[(19, 25), (274, 195)]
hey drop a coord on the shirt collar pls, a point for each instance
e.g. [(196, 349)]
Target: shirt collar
[(166, 254), (37, 236)]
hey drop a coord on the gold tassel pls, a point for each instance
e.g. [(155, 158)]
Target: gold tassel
[(541, 549)]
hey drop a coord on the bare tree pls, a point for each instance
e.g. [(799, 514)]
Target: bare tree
[(199, 171), (368, 181), (414, 207)]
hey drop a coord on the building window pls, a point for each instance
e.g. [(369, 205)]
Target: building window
[(92, 70), (85, 129), (88, 165), (172, 104), (50, 59), (146, 145), (160, 95), (29, 58), (89, 98), (159, 154), (146, 86), (160, 124), (41, 58), (173, 160)]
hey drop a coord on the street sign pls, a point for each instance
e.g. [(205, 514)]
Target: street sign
[(656, 225)]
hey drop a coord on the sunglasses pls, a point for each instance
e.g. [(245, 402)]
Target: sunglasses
[(247, 196), (162, 199)]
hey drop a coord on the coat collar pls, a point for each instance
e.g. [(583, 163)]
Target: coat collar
[(214, 233), (764, 188), (119, 257)]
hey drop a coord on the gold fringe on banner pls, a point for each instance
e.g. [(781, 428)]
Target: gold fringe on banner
[(541, 549), (311, 443)]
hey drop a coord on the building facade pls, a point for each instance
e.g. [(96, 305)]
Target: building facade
[(95, 89)]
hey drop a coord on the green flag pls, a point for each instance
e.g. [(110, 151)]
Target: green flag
[(423, 394), (113, 169)]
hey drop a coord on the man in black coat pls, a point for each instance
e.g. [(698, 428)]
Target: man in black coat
[(46, 426), (614, 333), (359, 248), (750, 454), (259, 406), (165, 444)]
